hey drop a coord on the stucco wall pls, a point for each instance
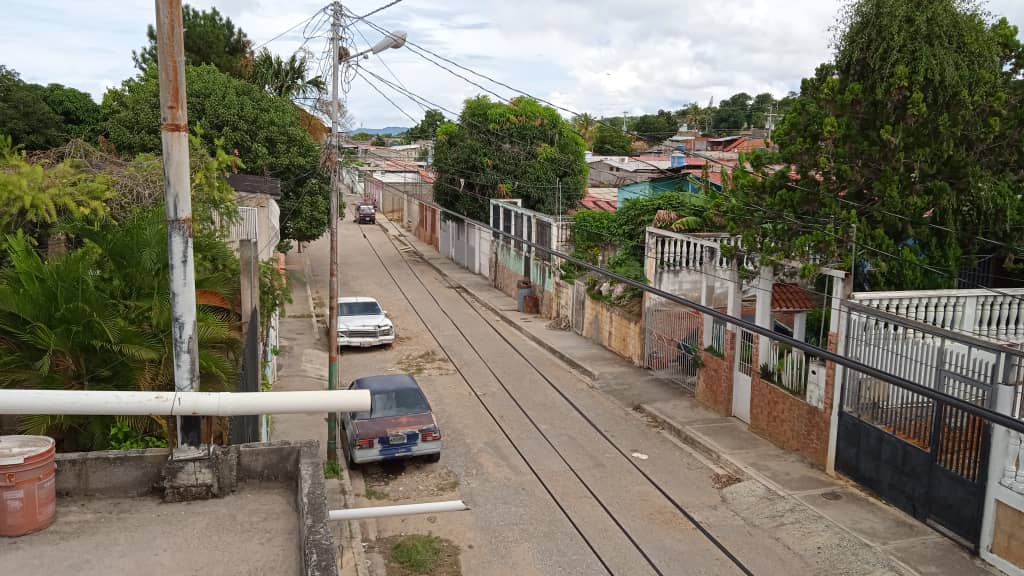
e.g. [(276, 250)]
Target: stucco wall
[(616, 330), (714, 379)]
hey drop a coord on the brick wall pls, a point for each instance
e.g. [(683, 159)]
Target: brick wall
[(788, 421), (714, 380)]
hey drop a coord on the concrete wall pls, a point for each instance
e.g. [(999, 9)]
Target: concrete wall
[(110, 473), (508, 268), (268, 221), (615, 329), (132, 473)]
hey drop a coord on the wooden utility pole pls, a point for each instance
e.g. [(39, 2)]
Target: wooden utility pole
[(332, 301), (178, 203)]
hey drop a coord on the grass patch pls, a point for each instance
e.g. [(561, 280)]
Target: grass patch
[(332, 470), (376, 494), (420, 554)]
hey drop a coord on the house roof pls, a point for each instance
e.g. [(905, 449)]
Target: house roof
[(251, 184), (790, 296), (601, 199), (747, 145)]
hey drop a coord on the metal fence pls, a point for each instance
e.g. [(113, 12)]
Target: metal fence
[(672, 342)]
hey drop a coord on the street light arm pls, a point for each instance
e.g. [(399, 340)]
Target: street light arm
[(394, 40)]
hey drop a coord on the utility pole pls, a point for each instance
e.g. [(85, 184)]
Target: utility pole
[(332, 301), (178, 204), (624, 114)]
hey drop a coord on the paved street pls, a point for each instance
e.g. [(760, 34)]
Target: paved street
[(561, 478)]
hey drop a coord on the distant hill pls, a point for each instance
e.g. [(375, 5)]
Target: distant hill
[(389, 131)]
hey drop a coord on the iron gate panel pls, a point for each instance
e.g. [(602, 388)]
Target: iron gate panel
[(672, 344), (924, 456)]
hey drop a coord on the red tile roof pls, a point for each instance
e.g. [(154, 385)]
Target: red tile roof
[(790, 296), (592, 203)]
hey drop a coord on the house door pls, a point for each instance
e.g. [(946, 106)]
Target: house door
[(742, 373)]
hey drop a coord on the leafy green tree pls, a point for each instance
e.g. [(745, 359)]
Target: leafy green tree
[(79, 112), (286, 78), (304, 213), (34, 199), (379, 140), (361, 137), (517, 150), (655, 128), (762, 105), (427, 128), (209, 39), (612, 142), (913, 134), (25, 116), (732, 113), (265, 130)]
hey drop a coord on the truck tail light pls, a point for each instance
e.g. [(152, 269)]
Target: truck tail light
[(364, 443)]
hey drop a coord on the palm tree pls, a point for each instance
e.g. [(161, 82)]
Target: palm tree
[(99, 318), (286, 78), (586, 126)]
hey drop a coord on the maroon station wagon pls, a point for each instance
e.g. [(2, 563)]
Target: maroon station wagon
[(400, 423)]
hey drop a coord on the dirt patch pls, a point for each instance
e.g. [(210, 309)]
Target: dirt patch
[(418, 554), (723, 481), (427, 363), (409, 480)]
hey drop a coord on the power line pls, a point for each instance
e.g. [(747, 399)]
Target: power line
[(304, 21), (372, 12)]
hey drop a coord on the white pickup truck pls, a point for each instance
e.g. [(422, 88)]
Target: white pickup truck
[(362, 323)]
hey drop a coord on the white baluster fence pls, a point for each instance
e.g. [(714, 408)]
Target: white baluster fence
[(984, 313)]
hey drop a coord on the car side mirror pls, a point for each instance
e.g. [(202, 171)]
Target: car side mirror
[(384, 312)]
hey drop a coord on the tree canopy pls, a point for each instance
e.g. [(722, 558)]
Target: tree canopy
[(655, 128), (517, 150), (612, 141), (911, 133), (23, 116), (265, 130), (210, 38), (427, 128)]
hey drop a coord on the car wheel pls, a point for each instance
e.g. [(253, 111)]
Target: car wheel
[(433, 457)]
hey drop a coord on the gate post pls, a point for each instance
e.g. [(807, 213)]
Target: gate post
[(707, 291), (838, 328), (1003, 399)]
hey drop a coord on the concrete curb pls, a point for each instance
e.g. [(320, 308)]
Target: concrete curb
[(695, 441)]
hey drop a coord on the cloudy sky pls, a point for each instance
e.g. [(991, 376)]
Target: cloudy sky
[(599, 56)]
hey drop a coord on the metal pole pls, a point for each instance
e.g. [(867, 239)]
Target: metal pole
[(397, 510), (332, 301), (178, 204)]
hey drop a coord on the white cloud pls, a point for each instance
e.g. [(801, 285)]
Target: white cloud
[(600, 56)]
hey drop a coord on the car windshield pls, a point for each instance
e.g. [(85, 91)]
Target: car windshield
[(403, 402), (366, 209), (358, 309)]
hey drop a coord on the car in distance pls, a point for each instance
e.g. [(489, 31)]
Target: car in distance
[(399, 424), (362, 323), (366, 214)]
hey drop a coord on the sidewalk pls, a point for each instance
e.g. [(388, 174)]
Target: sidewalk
[(725, 440)]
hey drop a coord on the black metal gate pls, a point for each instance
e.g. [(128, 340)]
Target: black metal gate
[(924, 456)]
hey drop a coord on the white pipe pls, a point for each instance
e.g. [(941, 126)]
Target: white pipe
[(399, 510), (117, 403)]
